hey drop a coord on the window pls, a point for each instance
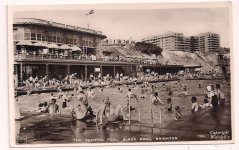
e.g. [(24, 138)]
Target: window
[(50, 38), (58, 40), (69, 39), (33, 35), (15, 70), (39, 36), (27, 36), (15, 34), (75, 40), (43, 37), (88, 41), (59, 37), (54, 38)]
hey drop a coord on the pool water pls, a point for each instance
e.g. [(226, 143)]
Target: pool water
[(41, 128)]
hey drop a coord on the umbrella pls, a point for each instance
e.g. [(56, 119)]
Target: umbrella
[(64, 47), (153, 56), (52, 45), (75, 48), (40, 44), (25, 43)]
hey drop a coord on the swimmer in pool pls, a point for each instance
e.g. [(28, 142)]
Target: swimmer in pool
[(109, 112), (53, 108)]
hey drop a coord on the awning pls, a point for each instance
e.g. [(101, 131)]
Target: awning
[(75, 48), (197, 69), (25, 43), (153, 56), (52, 45), (64, 47), (40, 44), (109, 50)]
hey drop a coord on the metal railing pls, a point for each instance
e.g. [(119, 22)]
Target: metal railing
[(31, 56)]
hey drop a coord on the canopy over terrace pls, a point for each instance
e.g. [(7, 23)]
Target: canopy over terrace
[(75, 48), (65, 47), (30, 47), (53, 46), (24, 43), (40, 44)]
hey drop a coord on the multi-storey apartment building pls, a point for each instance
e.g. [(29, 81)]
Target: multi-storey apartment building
[(186, 44), (171, 41), (208, 42)]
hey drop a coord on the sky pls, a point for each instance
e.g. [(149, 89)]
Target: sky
[(138, 24)]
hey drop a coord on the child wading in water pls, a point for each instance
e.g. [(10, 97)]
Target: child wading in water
[(64, 100), (178, 114), (205, 104), (185, 90), (130, 95), (142, 95), (169, 105), (170, 92), (155, 99), (194, 104)]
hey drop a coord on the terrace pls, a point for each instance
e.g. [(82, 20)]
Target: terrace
[(87, 60)]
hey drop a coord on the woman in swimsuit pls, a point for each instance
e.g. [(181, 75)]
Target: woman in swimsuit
[(107, 110)]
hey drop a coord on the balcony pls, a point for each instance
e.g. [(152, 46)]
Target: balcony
[(81, 59)]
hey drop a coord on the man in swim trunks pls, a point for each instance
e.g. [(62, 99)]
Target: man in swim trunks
[(107, 110), (53, 108)]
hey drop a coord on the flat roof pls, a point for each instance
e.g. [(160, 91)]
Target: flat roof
[(34, 21)]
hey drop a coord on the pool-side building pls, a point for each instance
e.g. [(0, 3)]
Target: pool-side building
[(54, 49)]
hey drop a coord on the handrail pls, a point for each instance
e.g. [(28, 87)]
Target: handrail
[(20, 56)]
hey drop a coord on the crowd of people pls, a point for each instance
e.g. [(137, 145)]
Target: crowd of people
[(79, 56), (77, 104), (198, 74), (74, 80)]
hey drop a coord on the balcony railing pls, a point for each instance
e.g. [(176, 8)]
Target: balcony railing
[(81, 58)]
